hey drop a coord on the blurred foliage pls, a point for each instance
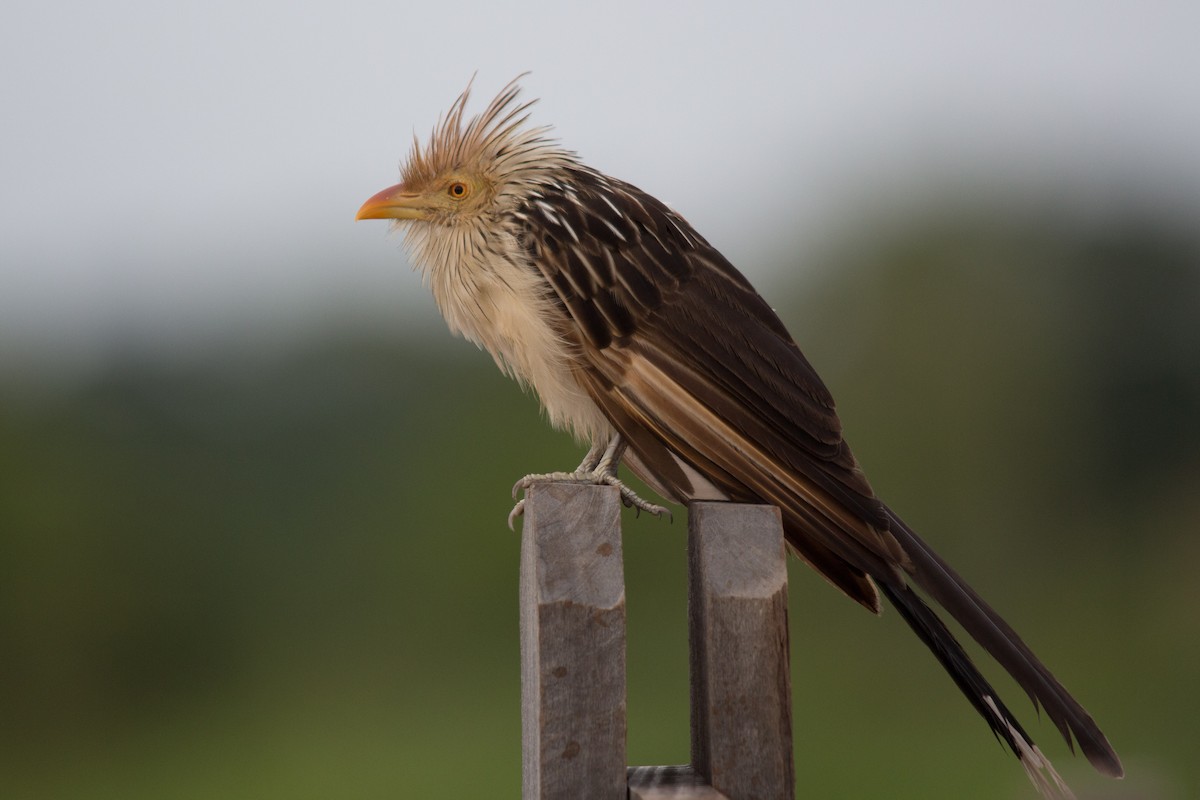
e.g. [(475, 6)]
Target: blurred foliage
[(243, 576)]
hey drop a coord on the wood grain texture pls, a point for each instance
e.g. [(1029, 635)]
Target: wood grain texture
[(670, 783), (573, 716), (741, 692)]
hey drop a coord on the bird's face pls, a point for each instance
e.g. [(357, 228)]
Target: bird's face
[(471, 171), (446, 197)]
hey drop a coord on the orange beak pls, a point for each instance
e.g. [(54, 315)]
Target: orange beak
[(394, 202)]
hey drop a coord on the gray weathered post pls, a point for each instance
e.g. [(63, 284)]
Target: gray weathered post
[(572, 644), (741, 697), (573, 653)]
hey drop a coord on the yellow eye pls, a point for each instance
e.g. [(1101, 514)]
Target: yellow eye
[(458, 190)]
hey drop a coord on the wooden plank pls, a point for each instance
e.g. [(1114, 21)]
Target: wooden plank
[(572, 644), (741, 693), (670, 783)]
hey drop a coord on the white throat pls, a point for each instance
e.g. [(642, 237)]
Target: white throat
[(490, 294)]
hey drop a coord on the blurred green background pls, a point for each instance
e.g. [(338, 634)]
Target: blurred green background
[(284, 572), (253, 495)]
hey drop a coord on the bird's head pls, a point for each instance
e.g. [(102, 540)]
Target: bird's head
[(468, 171), (448, 196)]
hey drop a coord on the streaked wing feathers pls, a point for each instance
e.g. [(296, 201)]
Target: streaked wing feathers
[(638, 256), (687, 361)]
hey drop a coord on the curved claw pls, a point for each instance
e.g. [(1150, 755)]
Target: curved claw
[(517, 511), (631, 500)]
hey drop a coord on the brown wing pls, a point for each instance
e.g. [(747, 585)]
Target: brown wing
[(688, 361)]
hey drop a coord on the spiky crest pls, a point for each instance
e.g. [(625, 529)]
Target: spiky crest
[(494, 144)]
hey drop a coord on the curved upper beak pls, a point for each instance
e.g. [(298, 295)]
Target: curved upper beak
[(394, 202)]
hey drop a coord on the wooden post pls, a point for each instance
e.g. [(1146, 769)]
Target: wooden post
[(573, 653), (572, 644), (737, 608)]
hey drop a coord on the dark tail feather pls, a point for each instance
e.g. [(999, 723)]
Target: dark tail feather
[(941, 642), (938, 638), (952, 593)]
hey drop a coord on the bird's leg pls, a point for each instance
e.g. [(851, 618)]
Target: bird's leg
[(594, 456), (598, 467)]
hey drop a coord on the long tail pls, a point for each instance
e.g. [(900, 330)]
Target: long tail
[(952, 593), (938, 638)]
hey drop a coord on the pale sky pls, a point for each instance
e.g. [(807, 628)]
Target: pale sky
[(175, 169)]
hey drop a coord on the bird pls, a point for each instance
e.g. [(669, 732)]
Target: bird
[(643, 341)]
